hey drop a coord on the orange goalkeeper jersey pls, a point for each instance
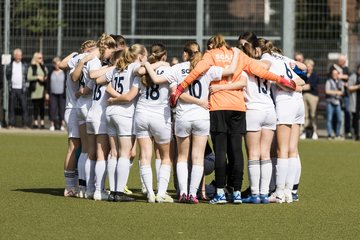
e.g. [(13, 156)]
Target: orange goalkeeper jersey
[(222, 57)]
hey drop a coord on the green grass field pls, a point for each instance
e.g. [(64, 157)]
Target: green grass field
[(32, 206)]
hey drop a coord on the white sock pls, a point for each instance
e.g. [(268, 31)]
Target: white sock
[(157, 169), (182, 176), (146, 175), (81, 165), (297, 175), (164, 178), (290, 177), (196, 176), (254, 176), (69, 179), (281, 173), (100, 169), (122, 172), (272, 185), (90, 174), (265, 173), (111, 170)]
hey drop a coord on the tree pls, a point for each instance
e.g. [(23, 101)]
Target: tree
[(37, 17)]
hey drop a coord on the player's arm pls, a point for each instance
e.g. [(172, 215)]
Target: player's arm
[(141, 70), (101, 72), (237, 85), (157, 79), (124, 98), (111, 91), (83, 91), (231, 70), (64, 63), (187, 98)]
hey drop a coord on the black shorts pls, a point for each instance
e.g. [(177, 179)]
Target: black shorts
[(228, 121)]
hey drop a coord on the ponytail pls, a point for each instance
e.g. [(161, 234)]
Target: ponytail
[(194, 54), (105, 41), (157, 51)]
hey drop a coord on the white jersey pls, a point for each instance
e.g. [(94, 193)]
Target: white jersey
[(198, 89), (257, 94), (84, 80), (155, 99), (280, 65), (71, 86), (99, 95), (122, 82)]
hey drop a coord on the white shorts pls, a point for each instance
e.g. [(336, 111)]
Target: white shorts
[(195, 127), (71, 120), (119, 125), (82, 115), (96, 128), (156, 126), (290, 111), (260, 119)]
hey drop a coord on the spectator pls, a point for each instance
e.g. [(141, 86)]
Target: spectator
[(16, 75), (298, 56), (334, 91), (344, 73), (37, 74), (354, 90), (311, 99), (56, 95)]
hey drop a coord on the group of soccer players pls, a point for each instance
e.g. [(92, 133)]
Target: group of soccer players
[(122, 97)]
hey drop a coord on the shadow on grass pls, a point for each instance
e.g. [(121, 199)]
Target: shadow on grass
[(49, 191)]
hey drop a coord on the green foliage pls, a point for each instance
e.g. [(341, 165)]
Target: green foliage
[(36, 16)]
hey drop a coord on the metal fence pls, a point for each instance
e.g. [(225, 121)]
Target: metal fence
[(317, 32)]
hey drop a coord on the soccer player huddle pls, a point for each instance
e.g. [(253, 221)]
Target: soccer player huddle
[(120, 98)]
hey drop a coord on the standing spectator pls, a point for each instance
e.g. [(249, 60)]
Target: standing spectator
[(16, 75), (37, 74), (344, 73), (56, 94), (354, 90), (298, 56), (311, 99), (334, 91)]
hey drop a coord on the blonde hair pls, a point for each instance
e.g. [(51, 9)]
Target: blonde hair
[(218, 41), (157, 51), (267, 46), (309, 62), (87, 44), (105, 41), (129, 55), (34, 60), (194, 54)]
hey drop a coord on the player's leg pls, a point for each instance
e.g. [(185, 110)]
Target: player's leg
[(146, 147), (197, 170), (183, 144), (267, 136), (102, 151)]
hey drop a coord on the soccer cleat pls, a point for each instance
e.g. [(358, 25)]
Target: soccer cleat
[(193, 200), (315, 136), (111, 197), (255, 199), (218, 199), (275, 198), (52, 128), (264, 199), (236, 197), (183, 198), (127, 191), (101, 195), (288, 196), (164, 199), (303, 136), (89, 194), (229, 194), (151, 198), (121, 197), (70, 192), (295, 197)]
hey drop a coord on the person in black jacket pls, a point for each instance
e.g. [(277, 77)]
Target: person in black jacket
[(16, 73)]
